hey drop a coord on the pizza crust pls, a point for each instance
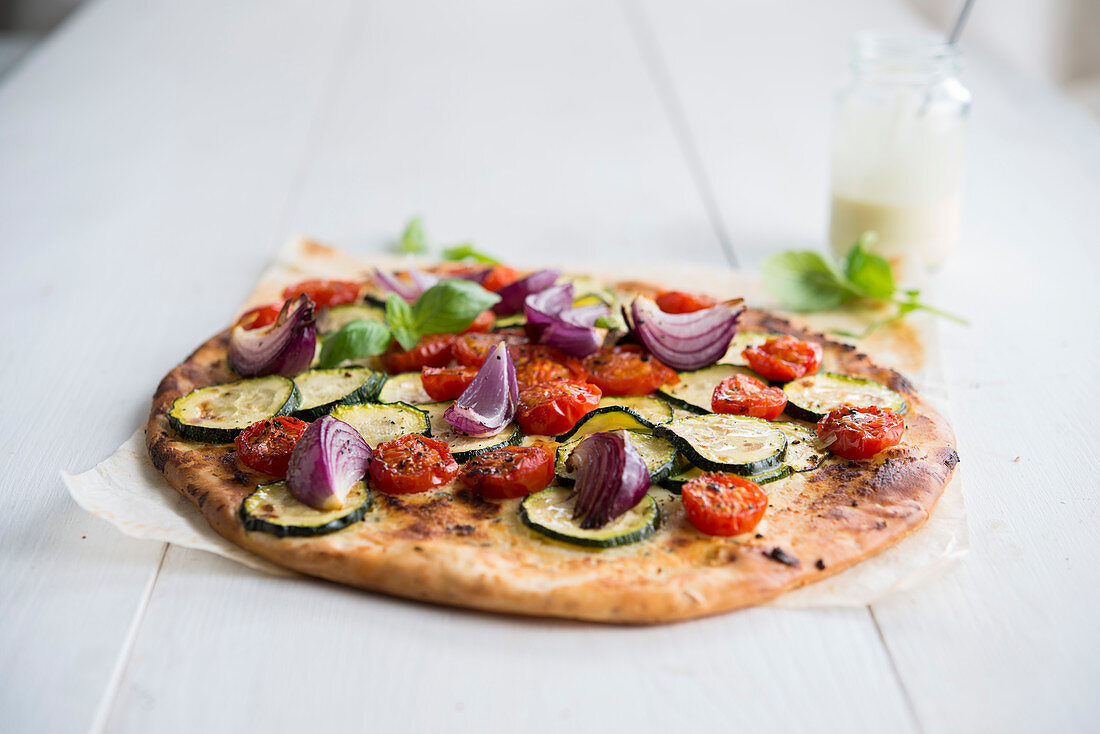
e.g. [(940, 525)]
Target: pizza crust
[(451, 547)]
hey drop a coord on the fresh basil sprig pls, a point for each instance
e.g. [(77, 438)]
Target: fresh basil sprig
[(413, 240), (804, 280), (448, 306), (467, 252)]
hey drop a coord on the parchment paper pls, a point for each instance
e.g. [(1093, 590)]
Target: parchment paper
[(127, 491)]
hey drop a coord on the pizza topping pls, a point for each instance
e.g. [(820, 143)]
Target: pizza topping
[(410, 291), (216, 414), (744, 395), (686, 341), (259, 316), (611, 477), (489, 403), (784, 358), (513, 295), (464, 447), (682, 302), (552, 319), (555, 407), (550, 513), (860, 433), (627, 370), (695, 388), (813, 396), (272, 509), (498, 277), (383, 422), (407, 387), (779, 555), (723, 504), (324, 293), (472, 349), (285, 347), (658, 454), (513, 471), (266, 445), (630, 413), (412, 463), (446, 383), (324, 389), (433, 350), (721, 442), (328, 460), (538, 363)]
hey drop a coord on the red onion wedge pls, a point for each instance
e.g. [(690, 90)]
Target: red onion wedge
[(686, 341), (513, 295), (611, 477), (489, 403), (285, 348), (421, 281), (552, 320), (325, 464)]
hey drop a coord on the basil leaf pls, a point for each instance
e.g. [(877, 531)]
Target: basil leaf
[(399, 316), (869, 272), (413, 240), (466, 251), (449, 306), (359, 338), (805, 281)]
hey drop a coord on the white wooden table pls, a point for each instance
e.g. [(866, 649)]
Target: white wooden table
[(155, 154)]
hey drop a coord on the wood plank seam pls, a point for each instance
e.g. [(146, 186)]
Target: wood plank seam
[(642, 32), (114, 683), (909, 705)]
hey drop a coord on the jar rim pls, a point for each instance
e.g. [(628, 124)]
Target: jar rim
[(904, 54)]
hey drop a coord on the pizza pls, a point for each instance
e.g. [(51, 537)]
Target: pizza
[(545, 444)]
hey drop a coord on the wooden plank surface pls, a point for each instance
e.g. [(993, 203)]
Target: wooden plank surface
[(1005, 643)]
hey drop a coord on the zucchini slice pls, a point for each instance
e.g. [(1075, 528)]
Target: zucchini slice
[(383, 422), (404, 388), (323, 390), (504, 322), (695, 389), (742, 341), (659, 456), (723, 442), (273, 510), (813, 396), (803, 452), (337, 317), (463, 447), (216, 414), (676, 483), (651, 410), (607, 418), (550, 513)]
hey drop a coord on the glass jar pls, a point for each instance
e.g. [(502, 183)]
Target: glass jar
[(898, 145)]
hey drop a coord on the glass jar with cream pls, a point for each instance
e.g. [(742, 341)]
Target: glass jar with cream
[(898, 148)]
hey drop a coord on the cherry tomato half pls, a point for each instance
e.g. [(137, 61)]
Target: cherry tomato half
[(498, 277), (484, 322), (259, 317), (784, 358), (723, 504), (447, 383), (325, 292), (412, 463), (266, 445), (860, 433), (555, 407), (538, 363), (513, 471), (745, 395), (433, 350), (681, 302), (627, 369), (472, 349)]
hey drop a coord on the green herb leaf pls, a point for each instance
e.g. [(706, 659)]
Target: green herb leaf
[(466, 251), (450, 306), (870, 273), (805, 281), (413, 240), (399, 316), (359, 338), (608, 322)]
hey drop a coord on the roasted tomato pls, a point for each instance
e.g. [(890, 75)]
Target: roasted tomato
[(555, 407), (784, 358), (627, 369), (860, 433), (723, 504), (472, 349), (513, 471), (325, 292), (266, 445), (433, 350), (447, 383), (259, 316), (484, 322), (745, 395), (538, 363), (412, 463), (681, 302), (498, 277)]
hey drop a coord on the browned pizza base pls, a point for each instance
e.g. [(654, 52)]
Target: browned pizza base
[(451, 547)]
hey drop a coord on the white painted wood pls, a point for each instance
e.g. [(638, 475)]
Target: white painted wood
[(526, 130), (1008, 642), (138, 132)]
